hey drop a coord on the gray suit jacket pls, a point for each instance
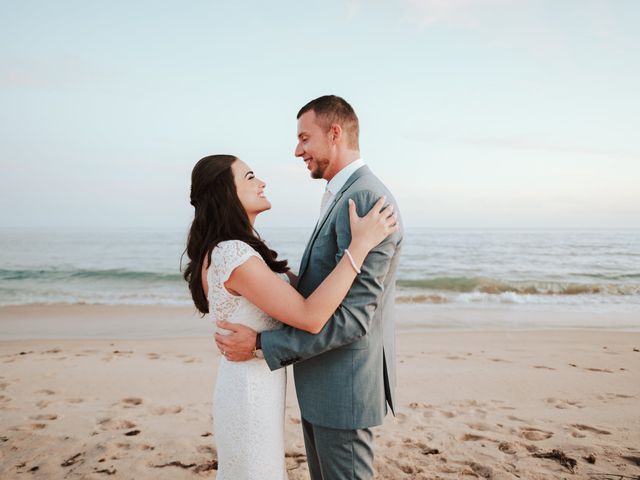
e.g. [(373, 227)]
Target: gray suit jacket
[(345, 374)]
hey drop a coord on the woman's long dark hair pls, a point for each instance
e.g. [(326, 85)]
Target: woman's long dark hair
[(219, 216)]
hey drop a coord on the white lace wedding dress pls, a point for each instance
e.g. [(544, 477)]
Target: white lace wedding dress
[(249, 399)]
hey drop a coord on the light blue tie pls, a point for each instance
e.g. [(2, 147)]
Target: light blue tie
[(325, 202)]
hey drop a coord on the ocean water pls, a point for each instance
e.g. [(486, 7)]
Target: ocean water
[(583, 270)]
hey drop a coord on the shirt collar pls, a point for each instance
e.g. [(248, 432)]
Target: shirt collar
[(340, 178)]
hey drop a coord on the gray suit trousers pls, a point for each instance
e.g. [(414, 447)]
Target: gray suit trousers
[(337, 454)]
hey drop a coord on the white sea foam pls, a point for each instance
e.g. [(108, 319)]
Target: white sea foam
[(579, 269)]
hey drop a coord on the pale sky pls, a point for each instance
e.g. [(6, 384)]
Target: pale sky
[(476, 113)]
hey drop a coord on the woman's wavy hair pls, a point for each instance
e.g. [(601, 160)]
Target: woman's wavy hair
[(219, 216)]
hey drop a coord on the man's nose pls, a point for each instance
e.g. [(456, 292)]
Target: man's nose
[(299, 152)]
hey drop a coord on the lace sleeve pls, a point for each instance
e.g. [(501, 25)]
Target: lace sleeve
[(229, 255)]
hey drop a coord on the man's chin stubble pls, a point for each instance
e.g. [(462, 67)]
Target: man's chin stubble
[(318, 173)]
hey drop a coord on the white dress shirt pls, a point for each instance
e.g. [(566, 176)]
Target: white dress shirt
[(337, 182)]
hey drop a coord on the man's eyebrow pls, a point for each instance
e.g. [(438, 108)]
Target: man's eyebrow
[(301, 134), (248, 173)]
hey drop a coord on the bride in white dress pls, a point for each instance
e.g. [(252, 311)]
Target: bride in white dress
[(234, 276)]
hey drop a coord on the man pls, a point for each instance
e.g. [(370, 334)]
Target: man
[(344, 375)]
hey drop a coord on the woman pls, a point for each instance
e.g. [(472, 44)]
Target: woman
[(234, 276)]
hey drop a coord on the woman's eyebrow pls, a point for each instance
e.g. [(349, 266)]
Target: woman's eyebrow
[(248, 173)]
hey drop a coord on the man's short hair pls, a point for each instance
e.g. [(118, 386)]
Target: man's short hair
[(331, 109)]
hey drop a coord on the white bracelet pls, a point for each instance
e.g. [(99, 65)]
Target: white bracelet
[(353, 264)]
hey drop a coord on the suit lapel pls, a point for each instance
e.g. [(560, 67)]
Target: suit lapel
[(307, 252)]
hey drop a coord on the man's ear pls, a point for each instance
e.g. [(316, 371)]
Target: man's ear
[(335, 132)]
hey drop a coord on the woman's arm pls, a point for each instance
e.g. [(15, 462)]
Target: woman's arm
[(255, 281)]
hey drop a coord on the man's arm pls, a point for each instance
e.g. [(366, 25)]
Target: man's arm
[(352, 320)]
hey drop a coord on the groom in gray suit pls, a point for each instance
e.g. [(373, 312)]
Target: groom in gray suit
[(344, 375)]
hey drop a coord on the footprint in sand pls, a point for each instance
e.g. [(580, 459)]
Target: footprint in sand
[(482, 427), (507, 447), (409, 469), (501, 360), (401, 418), (478, 413), (481, 470), (466, 403), (130, 402), (46, 391), (117, 354), (615, 396), (29, 427), (445, 470), (192, 360), (633, 459), (53, 350), (447, 414), (603, 370), (464, 408), (423, 447), (122, 352), (543, 367), (427, 414), (517, 419), (75, 400), (153, 356), (535, 434), (563, 404), (454, 357), (167, 410), (44, 416), (576, 433), (588, 428), (207, 449), (115, 424), (471, 437), (73, 460)]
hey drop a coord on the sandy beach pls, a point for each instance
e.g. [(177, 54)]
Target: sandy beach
[(124, 392)]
